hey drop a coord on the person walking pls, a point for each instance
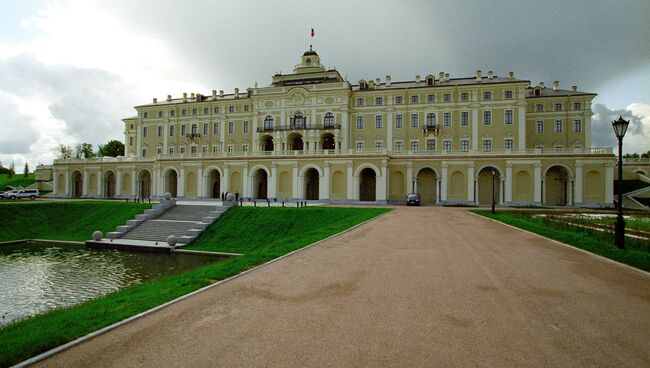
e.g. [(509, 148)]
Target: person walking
[(236, 195)]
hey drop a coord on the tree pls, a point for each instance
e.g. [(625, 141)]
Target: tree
[(12, 170), (64, 152), (113, 148), (3, 170), (87, 150), (26, 170)]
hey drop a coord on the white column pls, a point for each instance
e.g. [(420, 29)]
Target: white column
[(587, 128), (138, 140), (522, 127), (222, 135), (382, 185), (273, 182), (324, 184), (200, 183), (345, 129), (84, 191), (100, 182), (474, 128), (134, 183), (351, 185), (502, 189), (255, 141), (67, 183), (55, 175), (443, 182), (295, 186), (537, 183), (470, 183), (609, 183), (313, 121), (118, 183), (569, 193), (246, 182), (438, 190), (226, 178), (180, 187), (389, 131), (577, 194), (155, 179), (165, 138), (409, 178), (508, 183)]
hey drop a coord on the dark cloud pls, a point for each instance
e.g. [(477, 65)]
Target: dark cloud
[(601, 126)]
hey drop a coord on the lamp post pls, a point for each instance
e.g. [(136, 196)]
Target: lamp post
[(493, 174), (620, 126)]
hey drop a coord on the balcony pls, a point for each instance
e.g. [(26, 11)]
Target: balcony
[(435, 128), (278, 128), (192, 136)]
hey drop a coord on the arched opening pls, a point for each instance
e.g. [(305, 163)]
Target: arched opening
[(268, 123), (298, 121), (328, 121), (426, 185), (266, 143), (144, 181), (77, 184), (295, 142), (260, 184), (328, 142), (171, 183), (556, 185), (214, 183), (367, 185), (431, 119), (311, 184), (109, 184), (485, 186)]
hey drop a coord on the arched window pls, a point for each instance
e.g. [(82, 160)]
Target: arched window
[(430, 80), (194, 129), (268, 123), (298, 120), (329, 120), (431, 119)]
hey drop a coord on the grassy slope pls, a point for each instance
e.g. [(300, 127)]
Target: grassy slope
[(63, 220), (258, 232), (636, 254), (16, 180)]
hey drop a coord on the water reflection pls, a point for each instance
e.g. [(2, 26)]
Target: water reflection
[(37, 277)]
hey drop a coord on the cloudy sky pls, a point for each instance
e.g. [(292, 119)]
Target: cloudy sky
[(71, 70)]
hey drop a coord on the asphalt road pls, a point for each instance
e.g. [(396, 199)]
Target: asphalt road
[(419, 287)]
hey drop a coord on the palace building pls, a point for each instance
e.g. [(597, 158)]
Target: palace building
[(313, 135)]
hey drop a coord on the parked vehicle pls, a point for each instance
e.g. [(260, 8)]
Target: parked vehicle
[(22, 193), (413, 199), (2, 195)]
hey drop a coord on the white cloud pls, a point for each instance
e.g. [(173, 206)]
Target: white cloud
[(637, 137)]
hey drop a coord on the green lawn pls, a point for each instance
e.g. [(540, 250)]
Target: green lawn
[(262, 234), (25, 219), (16, 180), (636, 254)]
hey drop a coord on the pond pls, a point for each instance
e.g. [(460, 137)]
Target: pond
[(39, 277)]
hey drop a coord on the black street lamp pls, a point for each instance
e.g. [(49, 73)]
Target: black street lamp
[(620, 126), (493, 174)]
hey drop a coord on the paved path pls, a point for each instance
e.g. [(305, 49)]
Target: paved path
[(419, 287)]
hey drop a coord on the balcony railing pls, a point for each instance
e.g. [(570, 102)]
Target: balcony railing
[(298, 127), (435, 128), (193, 136)]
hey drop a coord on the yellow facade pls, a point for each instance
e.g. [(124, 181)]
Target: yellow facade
[(313, 135)]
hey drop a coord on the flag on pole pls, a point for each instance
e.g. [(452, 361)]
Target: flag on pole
[(312, 32)]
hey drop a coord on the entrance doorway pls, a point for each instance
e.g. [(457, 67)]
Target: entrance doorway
[(311, 184), (367, 185)]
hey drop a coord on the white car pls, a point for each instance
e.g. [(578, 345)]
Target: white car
[(22, 193)]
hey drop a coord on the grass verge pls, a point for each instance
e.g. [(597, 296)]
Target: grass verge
[(262, 234), (74, 221), (636, 254), (16, 180)]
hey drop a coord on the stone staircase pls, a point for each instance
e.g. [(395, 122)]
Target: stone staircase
[(155, 225)]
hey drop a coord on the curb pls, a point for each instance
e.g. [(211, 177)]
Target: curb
[(68, 345), (645, 273)]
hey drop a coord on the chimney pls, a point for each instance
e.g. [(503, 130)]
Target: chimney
[(541, 84), (511, 75), (441, 76), (155, 100), (214, 93), (220, 93), (236, 92), (184, 96), (574, 88), (388, 81), (417, 79), (478, 75), (169, 98), (371, 84), (446, 77), (490, 74), (556, 85), (377, 81)]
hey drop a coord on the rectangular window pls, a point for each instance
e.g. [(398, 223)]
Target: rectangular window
[(171, 130), (231, 127), (558, 126), (415, 145), (160, 114), (398, 146), (464, 145), (244, 147), (464, 96), (183, 130), (215, 148), (487, 117), (539, 127), (487, 145), (507, 94), (195, 111), (379, 100), (360, 102), (577, 126), (216, 109), (206, 128), (184, 112), (247, 108), (539, 107), (172, 113), (576, 106), (193, 150), (415, 120), (398, 121), (359, 146), (245, 127), (378, 121), (446, 145), (446, 119), (379, 145), (206, 111), (130, 141), (215, 128), (160, 132), (431, 145), (558, 107), (487, 96), (399, 100), (431, 98), (508, 144), (508, 117), (145, 115), (446, 97), (205, 149), (144, 152), (231, 109), (171, 150), (464, 118), (231, 148), (360, 122), (144, 132), (182, 150), (415, 99), (159, 151)]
